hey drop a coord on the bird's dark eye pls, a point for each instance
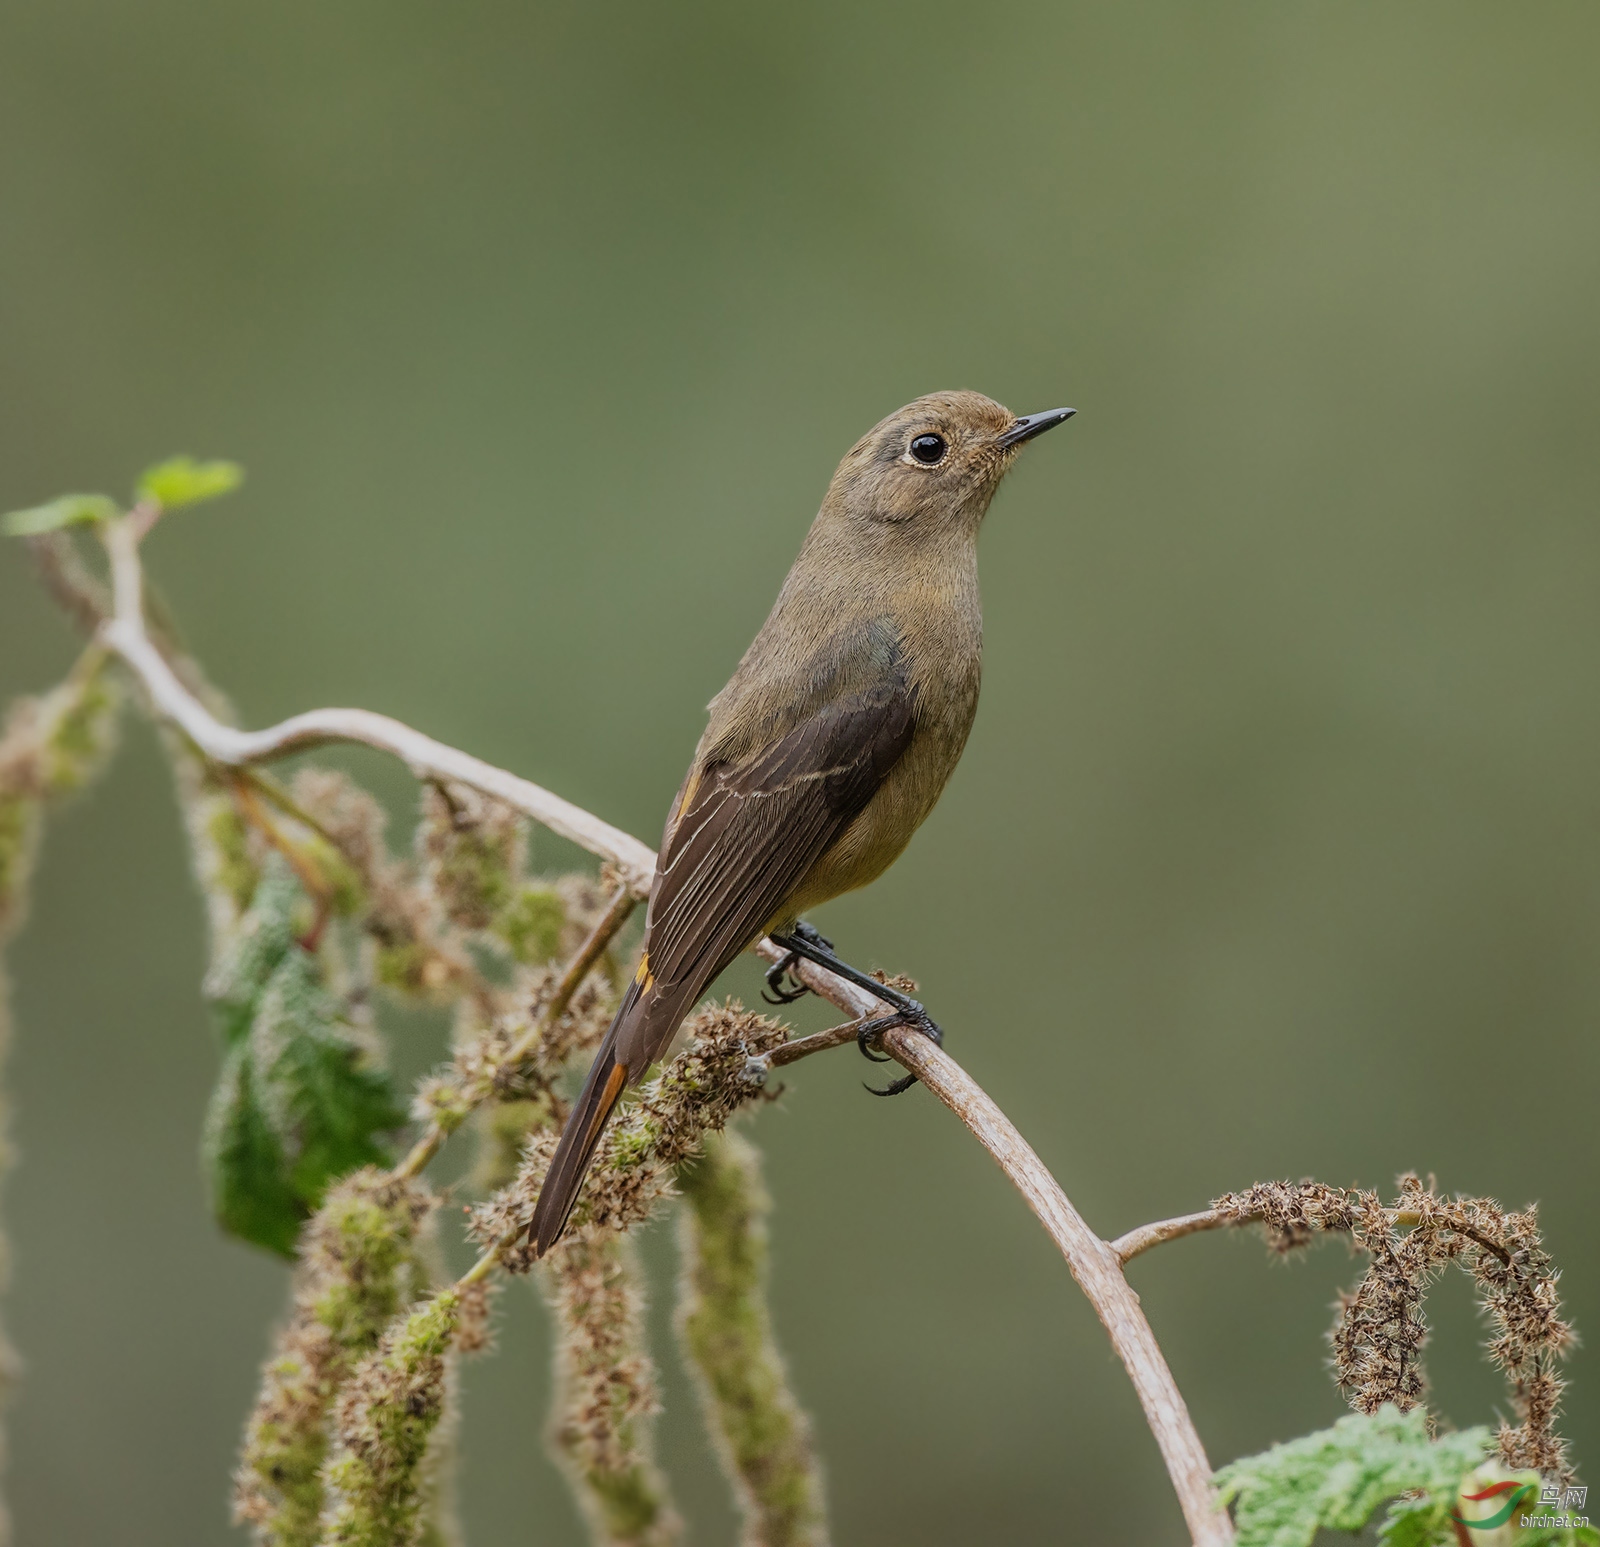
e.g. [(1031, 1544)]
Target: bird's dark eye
[(928, 448)]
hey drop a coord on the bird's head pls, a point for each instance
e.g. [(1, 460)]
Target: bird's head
[(935, 461)]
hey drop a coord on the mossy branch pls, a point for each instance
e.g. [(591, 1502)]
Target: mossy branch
[(605, 1401), (495, 1067), (384, 1419), (50, 747), (358, 1269), (607, 1386), (759, 1431)]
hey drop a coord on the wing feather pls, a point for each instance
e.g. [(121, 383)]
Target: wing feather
[(749, 832)]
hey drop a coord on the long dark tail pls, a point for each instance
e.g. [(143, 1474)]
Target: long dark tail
[(601, 1093)]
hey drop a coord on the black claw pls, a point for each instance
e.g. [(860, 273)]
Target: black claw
[(805, 941), (867, 1034), (894, 1088), (918, 1020), (778, 993)]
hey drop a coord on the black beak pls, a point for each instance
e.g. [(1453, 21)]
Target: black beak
[(1035, 424)]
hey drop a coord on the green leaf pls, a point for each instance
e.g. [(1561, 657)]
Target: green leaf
[(183, 481), (299, 1101), (250, 1191), (1337, 1479), (322, 1087), (265, 936), (68, 510)]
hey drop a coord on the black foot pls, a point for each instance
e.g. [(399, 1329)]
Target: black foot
[(776, 992), (869, 1034), (806, 942)]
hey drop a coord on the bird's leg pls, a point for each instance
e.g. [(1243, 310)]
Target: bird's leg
[(806, 942), (776, 993)]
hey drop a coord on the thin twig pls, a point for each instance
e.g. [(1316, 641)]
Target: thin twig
[(601, 936), (271, 790), (490, 1259), (1128, 1246), (244, 794), (143, 517), (817, 1042)]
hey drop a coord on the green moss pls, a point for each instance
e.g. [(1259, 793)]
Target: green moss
[(358, 1270), (629, 1501), (474, 875), (427, 1331), (53, 746), (373, 1240), (472, 850), (449, 1105), (631, 1147), (531, 925), (761, 1435), (393, 1405), (605, 1393), (285, 1452)]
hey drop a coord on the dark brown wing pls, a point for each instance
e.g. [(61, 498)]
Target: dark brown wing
[(741, 840), (748, 833)]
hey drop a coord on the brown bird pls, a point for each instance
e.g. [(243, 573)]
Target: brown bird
[(827, 748)]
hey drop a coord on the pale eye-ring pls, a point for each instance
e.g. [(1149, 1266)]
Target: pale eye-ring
[(928, 449)]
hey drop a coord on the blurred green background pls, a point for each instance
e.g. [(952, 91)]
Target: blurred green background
[(540, 329)]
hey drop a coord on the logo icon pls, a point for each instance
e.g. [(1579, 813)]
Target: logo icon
[(1519, 1492)]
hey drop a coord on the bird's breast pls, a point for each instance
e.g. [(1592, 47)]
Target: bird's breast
[(945, 683)]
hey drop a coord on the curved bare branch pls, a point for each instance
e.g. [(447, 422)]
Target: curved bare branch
[(125, 634)]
